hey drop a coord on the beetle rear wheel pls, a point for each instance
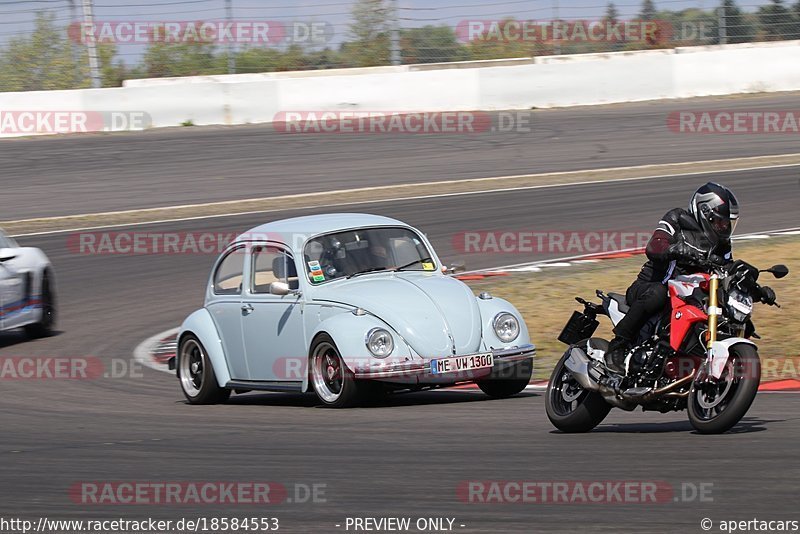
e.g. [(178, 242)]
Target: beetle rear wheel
[(196, 374)]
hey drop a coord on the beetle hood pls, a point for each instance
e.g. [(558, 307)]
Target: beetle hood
[(433, 313)]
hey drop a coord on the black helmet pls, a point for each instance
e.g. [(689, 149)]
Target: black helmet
[(715, 208)]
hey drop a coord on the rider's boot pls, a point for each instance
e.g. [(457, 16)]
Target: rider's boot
[(615, 355)]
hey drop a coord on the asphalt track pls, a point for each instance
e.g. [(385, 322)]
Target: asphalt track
[(167, 167), (402, 458)]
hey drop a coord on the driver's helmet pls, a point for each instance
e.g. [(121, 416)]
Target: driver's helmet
[(716, 209)]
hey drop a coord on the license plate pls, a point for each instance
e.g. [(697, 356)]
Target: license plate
[(459, 364)]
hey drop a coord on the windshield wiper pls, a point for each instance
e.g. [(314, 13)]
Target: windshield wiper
[(407, 265), (365, 271)]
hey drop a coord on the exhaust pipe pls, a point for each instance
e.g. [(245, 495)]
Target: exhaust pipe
[(578, 365)]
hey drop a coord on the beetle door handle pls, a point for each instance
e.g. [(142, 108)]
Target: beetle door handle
[(247, 308)]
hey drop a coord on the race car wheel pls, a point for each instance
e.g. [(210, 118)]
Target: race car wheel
[(196, 374), (44, 327), (333, 382)]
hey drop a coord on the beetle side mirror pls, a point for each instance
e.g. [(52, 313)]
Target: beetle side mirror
[(279, 288), (456, 267), (282, 288)]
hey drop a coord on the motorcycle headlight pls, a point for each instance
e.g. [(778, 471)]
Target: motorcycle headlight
[(379, 342), (506, 326), (740, 306)]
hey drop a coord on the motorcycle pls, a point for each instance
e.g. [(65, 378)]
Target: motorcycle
[(697, 355)]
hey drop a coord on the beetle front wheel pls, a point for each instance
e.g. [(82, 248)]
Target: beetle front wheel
[(333, 382)]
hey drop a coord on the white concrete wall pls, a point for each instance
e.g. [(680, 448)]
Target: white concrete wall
[(552, 81)]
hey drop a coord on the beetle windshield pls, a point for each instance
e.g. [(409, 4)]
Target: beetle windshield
[(366, 250)]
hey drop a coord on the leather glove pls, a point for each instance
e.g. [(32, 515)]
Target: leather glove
[(767, 295), (681, 250)]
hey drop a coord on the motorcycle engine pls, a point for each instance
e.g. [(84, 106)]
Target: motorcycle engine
[(647, 362)]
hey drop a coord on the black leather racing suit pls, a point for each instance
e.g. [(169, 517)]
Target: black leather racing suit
[(678, 246)]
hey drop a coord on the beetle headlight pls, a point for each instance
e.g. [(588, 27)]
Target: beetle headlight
[(506, 326), (379, 342)]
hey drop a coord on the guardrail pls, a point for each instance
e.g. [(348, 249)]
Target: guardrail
[(523, 83)]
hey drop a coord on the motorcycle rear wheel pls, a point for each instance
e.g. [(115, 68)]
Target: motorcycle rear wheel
[(569, 407), (716, 407)]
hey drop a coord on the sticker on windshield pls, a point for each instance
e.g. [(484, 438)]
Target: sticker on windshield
[(314, 266), (318, 276), (428, 267)]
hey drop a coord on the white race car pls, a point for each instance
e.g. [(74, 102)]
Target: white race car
[(27, 289)]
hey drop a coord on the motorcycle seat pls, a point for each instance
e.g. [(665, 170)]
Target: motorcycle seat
[(622, 303)]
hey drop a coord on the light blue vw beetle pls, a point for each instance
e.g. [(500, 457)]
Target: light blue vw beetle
[(348, 305)]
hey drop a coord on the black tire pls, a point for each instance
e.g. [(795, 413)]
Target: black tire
[(586, 411), (196, 374), (744, 369), (330, 378), (519, 376), (44, 327)]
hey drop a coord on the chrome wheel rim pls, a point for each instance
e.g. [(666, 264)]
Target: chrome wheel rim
[(327, 372), (192, 367)]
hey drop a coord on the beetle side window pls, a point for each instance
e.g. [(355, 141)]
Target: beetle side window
[(229, 274), (271, 264)]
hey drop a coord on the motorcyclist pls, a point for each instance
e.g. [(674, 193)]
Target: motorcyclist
[(683, 242)]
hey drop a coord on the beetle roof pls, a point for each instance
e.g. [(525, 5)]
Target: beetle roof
[(288, 230)]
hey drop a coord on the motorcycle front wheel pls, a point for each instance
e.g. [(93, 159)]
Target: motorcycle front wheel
[(715, 406), (570, 407)]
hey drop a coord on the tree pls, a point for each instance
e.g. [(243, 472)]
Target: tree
[(777, 22), (183, 59), (612, 14), (648, 10), (431, 44), (370, 31), (41, 62), (737, 27)]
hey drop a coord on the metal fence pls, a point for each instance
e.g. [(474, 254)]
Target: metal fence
[(59, 44)]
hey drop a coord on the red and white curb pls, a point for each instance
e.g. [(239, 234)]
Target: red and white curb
[(155, 351)]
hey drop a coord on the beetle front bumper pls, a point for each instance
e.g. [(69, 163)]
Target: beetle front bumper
[(420, 372)]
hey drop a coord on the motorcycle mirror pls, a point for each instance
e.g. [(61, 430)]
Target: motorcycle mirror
[(778, 271)]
